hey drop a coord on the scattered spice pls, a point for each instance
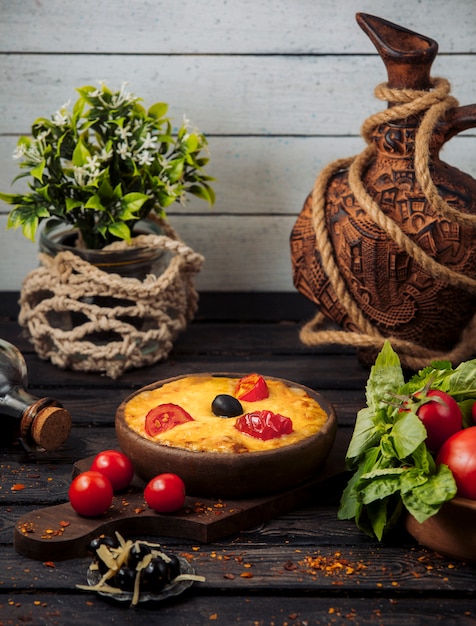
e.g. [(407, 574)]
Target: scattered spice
[(333, 565), (49, 564), (26, 527), (17, 487)]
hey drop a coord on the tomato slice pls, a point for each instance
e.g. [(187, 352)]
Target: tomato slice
[(252, 388), (164, 417), (264, 425)]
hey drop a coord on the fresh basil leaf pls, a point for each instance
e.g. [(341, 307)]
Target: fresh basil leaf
[(366, 435), (386, 377), (463, 379), (380, 484), (426, 499), (407, 434)]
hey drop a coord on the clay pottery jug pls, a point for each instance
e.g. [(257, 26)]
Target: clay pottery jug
[(385, 244)]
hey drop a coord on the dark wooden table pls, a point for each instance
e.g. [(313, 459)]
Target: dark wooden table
[(287, 570)]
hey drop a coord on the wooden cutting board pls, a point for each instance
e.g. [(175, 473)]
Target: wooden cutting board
[(58, 533)]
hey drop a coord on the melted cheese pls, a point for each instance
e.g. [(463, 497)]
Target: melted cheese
[(209, 433)]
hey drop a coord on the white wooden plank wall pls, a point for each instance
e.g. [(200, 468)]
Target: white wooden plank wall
[(280, 87)]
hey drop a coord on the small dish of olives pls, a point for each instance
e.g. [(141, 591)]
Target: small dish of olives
[(136, 571)]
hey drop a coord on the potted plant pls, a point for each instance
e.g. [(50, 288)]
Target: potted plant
[(98, 174)]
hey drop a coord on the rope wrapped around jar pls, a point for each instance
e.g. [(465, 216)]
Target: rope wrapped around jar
[(83, 318)]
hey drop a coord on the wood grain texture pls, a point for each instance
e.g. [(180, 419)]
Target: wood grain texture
[(272, 573), (281, 88)]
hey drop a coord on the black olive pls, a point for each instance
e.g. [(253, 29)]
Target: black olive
[(137, 552), (173, 566), (155, 576), (226, 406), (110, 542), (125, 578)]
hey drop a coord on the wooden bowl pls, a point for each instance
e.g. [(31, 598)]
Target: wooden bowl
[(228, 475), (451, 532)]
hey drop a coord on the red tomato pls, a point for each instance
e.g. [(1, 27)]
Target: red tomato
[(164, 417), (114, 465), (264, 425), (473, 412), (165, 493), (441, 417), (90, 494), (252, 388), (459, 454)]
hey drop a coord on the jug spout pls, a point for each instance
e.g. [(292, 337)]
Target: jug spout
[(407, 56)]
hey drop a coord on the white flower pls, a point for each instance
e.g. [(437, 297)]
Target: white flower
[(105, 155), (144, 158), (79, 175), (34, 153), (19, 152), (123, 150), (121, 97), (61, 117), (150, 142), (123, 133), (93, 166)]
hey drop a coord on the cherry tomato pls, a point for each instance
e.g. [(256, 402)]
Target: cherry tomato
[(264, 425), (165, 493), (441, 417), (252, 388), (164, 417), (116, 466), (459, 454), (90, 494)]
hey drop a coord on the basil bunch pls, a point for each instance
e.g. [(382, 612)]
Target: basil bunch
[(393, 469)]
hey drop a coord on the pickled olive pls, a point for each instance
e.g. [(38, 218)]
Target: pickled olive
[(137, 552), (226, 406), (105, 540), (173, 566), (125, 578), (155, 576)]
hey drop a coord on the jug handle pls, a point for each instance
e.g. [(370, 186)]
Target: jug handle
[(456, 121)]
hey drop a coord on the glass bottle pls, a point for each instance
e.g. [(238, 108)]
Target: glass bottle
[(39, 423)]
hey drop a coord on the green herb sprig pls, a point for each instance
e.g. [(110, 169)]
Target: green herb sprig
[(393, 469), (105, 164)]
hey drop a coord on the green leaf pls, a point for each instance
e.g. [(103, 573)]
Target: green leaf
[(463, 379), (94, 202), (192, 142), (350, 502), (426, 499), (158, 110), (80, 154), (30, 227), (134, 201), (407, 434), (37, 172), (385, 379), (365, 434), (380, 484), (72, 204), (175, 170), (203, 191), (121, 230), (11, 198)]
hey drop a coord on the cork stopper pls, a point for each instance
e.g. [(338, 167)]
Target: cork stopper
[(51, 427)]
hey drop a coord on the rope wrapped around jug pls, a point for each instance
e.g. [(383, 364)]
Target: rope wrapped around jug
[(408, 102), (67, 285)]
